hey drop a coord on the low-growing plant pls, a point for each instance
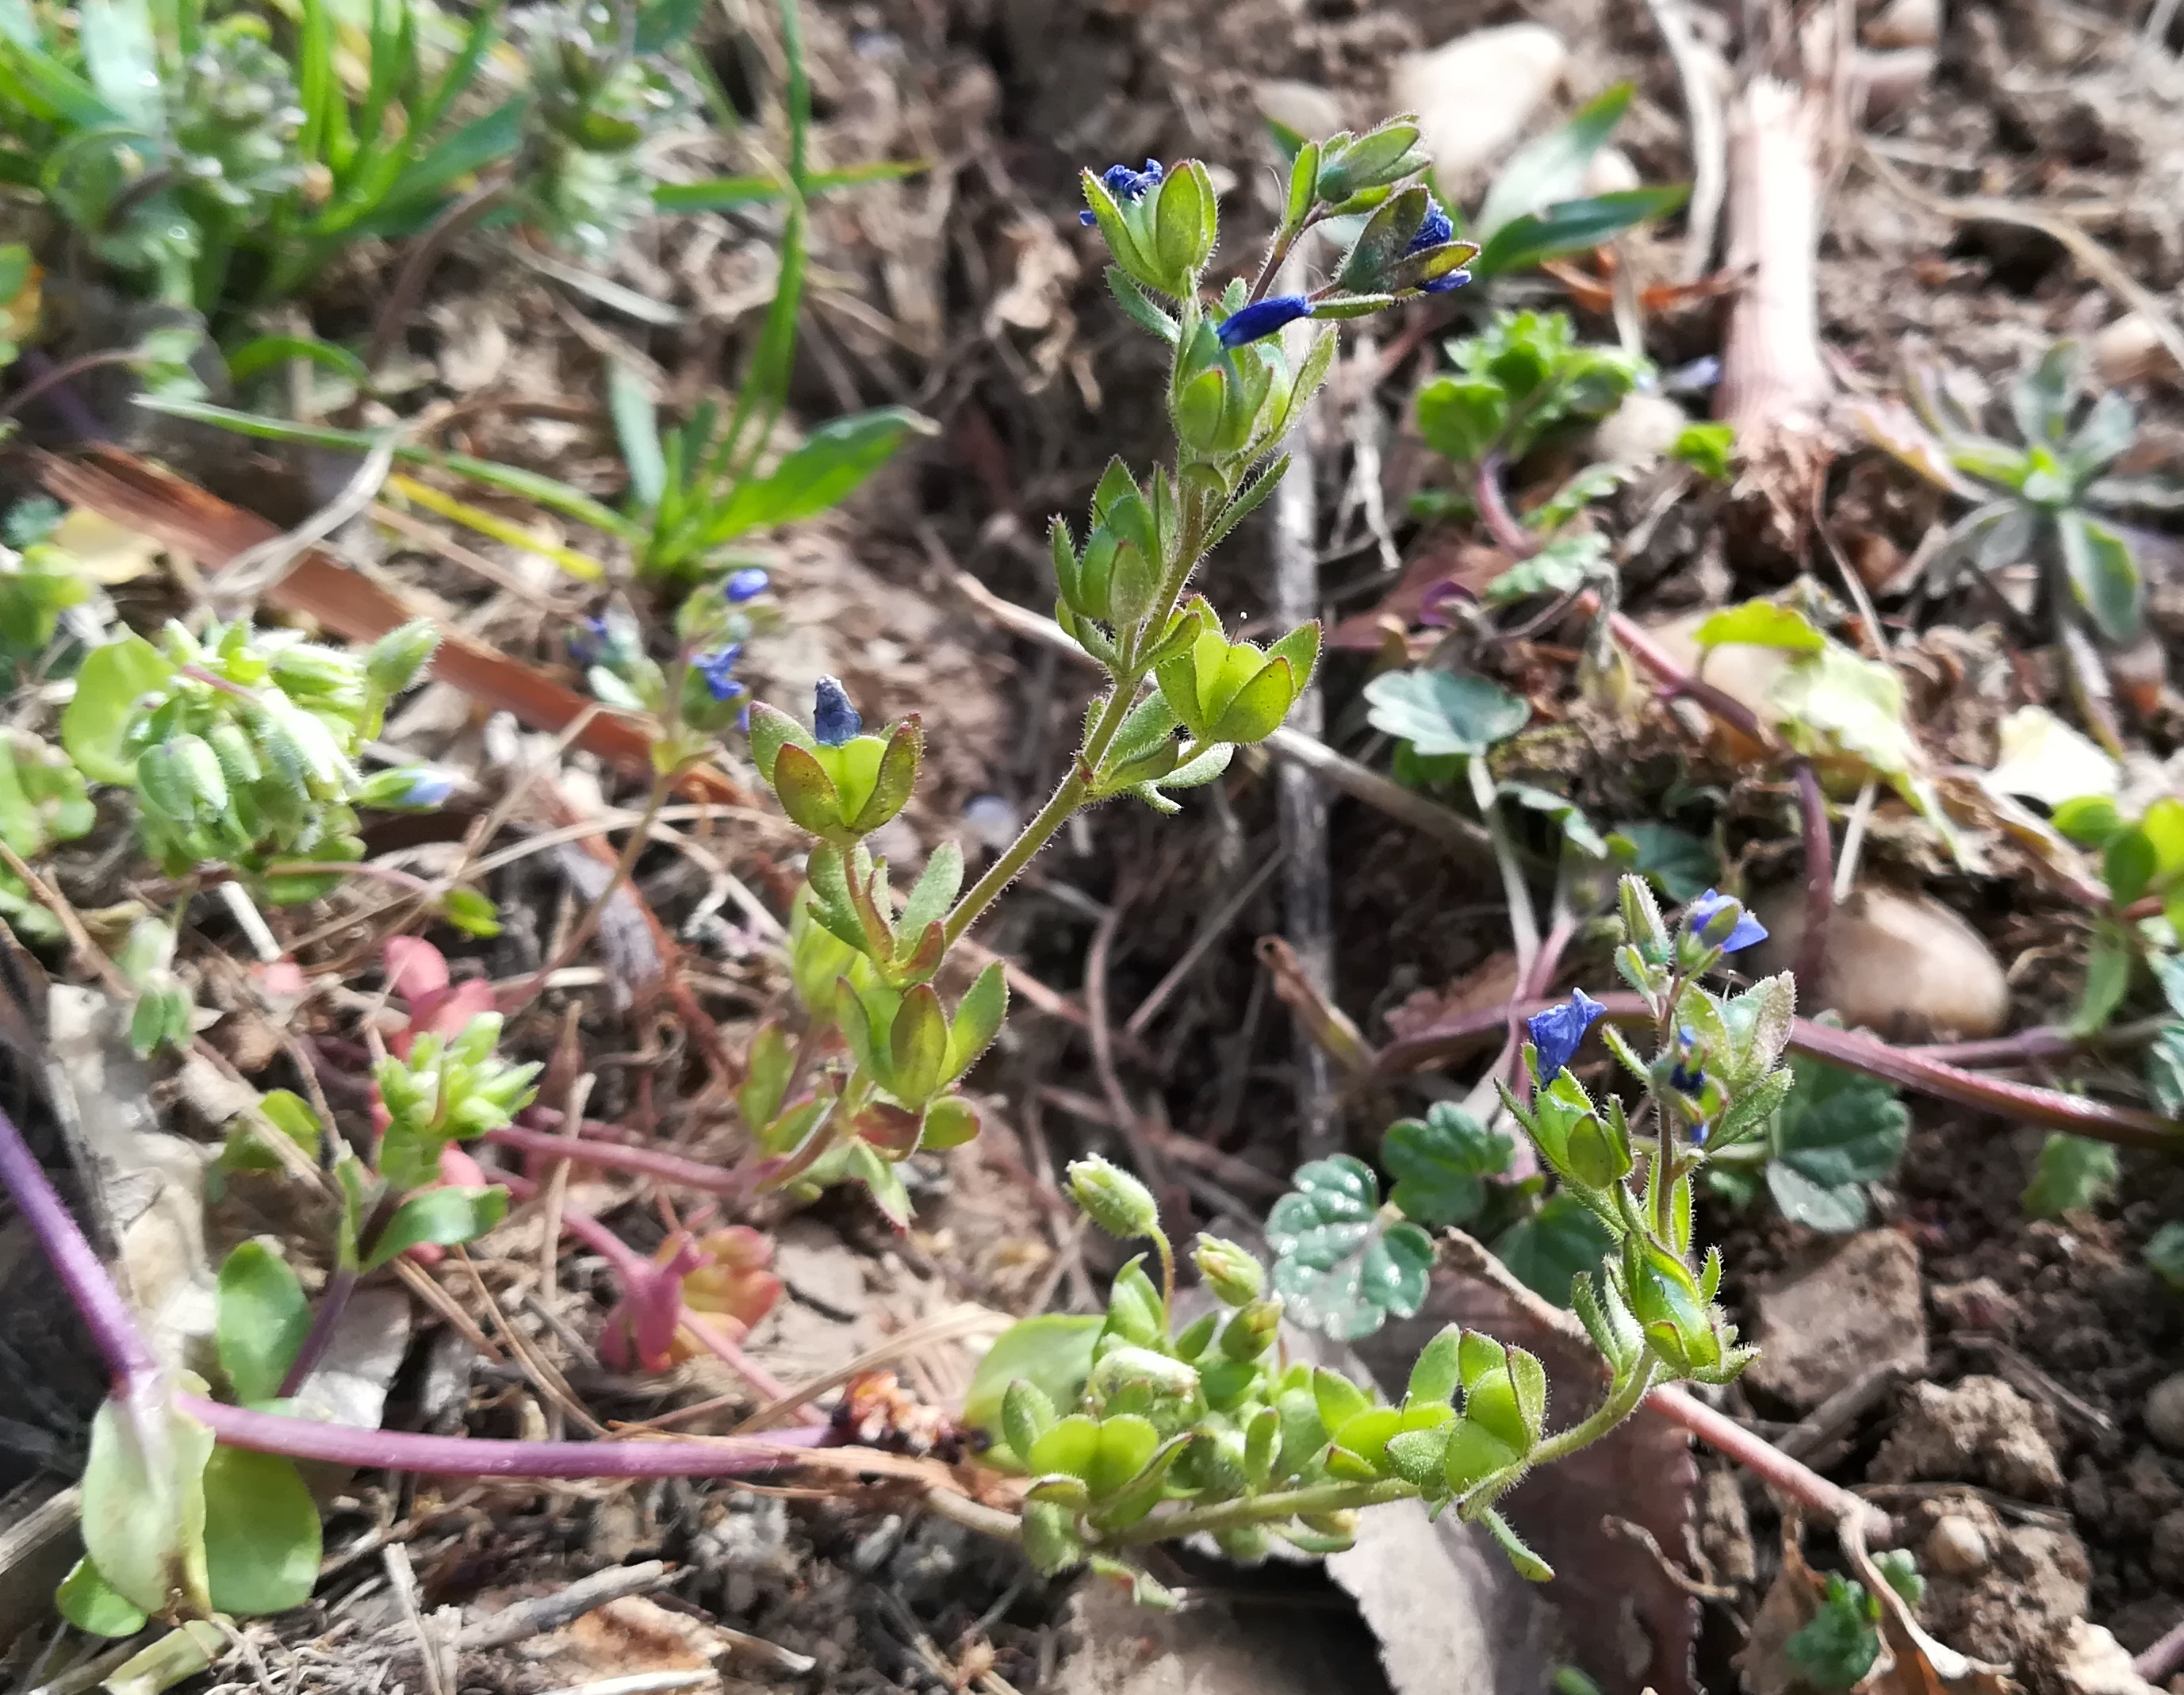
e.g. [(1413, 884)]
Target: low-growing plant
[(1140, 1428), (2052, 498), (1535, 209)]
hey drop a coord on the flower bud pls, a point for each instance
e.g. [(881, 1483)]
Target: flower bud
[(1229, 1271), (392, 662), (1253, 1330), (410, 787), (1112, 1199), (833, 719), (746, 584)]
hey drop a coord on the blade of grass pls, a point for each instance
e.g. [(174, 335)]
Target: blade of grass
[(556, 496), (577, 565)]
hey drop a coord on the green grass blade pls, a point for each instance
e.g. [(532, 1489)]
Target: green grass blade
[(548, 492), (637, 428)]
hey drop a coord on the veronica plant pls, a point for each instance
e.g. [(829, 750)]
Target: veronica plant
[(1136, 1429), (1181, 695), (240, 746)]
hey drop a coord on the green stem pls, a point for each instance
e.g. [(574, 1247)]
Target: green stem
[(1074, 788), (1259, 1509), (1619, 1406)]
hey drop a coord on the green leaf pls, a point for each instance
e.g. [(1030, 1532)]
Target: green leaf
[(445, 1216), (2108, 979), (1052, 1350), (1761, 623), (1676, 863), (262, 1537), (2164, 1070), (1546, 1251), (264, 353), (1837, 1211), (2165, 1254), (90, 1602), (1706, 448), (260, 1322), (2104, 574), (726, 193), (1441, 712), (1551, 167), (637, 429), (1839, 1128), (143, 1513), (1836, 699), (833, 462), (2071, 1172), (1838, 1645), (1462, 417), (1440, 1164), (108, 686), (1342, 1267), (1574, 226)]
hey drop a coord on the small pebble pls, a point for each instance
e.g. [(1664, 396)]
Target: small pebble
[(1955, 1546), (2164, 1413)]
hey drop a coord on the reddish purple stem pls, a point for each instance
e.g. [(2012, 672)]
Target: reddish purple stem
[(669, 1168), (139, 1383)]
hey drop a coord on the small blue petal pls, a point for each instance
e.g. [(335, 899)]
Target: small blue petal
[(589, 639), (1261, 318), (429, 787), (719, 671), (1701, 913), (1436, 229), (746, 584), (1087, 220), (833, 719), (1447, 282), (1126, 184), (1558, 1032)]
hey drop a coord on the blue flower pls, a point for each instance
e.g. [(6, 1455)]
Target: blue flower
[(719, 671), (1436, 229), (1261, 318), (589, 639), (1687, 1076), (1127, 185), (1446, 282), (429, 786), (1558, 1032), (833, 719), (1705, 913), (747, 584)]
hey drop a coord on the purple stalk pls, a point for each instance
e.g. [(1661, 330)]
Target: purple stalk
[(140, 1385), (333, 1302), (669, 1168), (486, 1457)]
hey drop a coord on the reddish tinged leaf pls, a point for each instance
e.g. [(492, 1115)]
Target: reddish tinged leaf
[(418, 971), (720, 1276), (889, 1129), (210, 531)]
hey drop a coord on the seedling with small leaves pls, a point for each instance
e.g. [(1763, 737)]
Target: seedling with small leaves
[(2052, 498)]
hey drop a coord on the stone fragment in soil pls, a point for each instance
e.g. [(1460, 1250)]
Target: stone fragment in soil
[(1474, 95), (2019, 1602), (2086, 1660), (2164, 1413), (1901, 965), (1829, 1325), (1113, 1647), (1981, 1430)]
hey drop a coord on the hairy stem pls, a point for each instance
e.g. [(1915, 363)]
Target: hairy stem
[(1604, 1417), (1261, 1509)]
